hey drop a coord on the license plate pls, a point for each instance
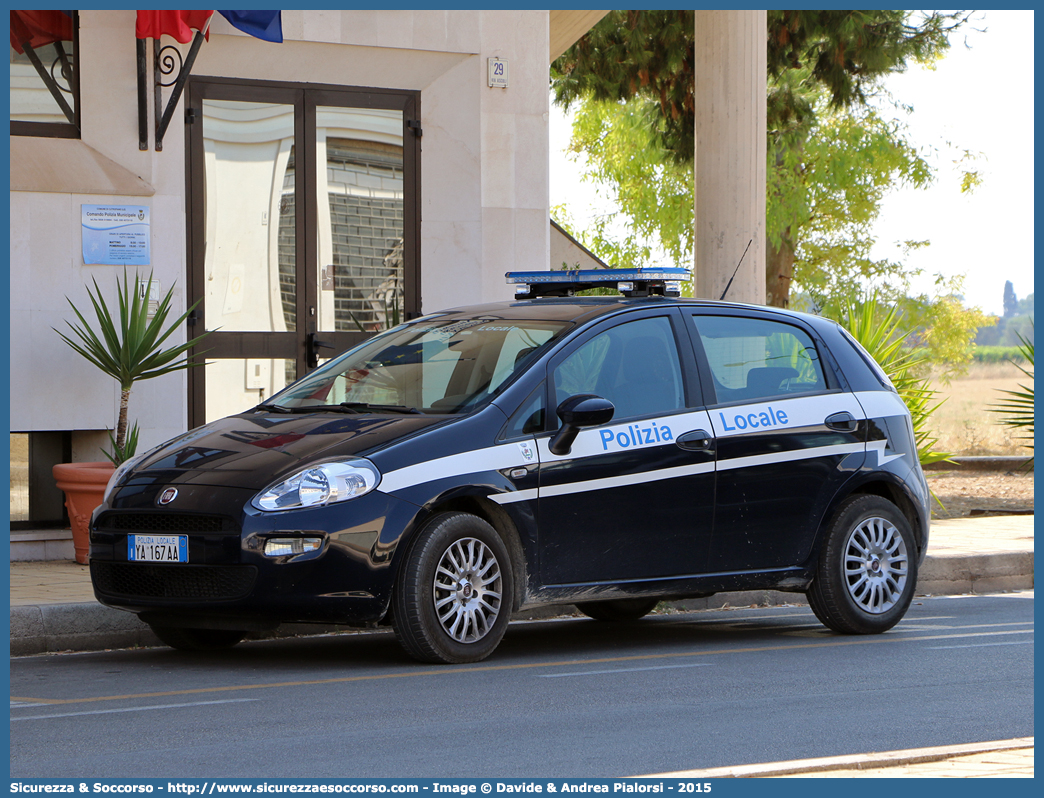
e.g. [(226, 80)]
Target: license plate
[(157, 548)]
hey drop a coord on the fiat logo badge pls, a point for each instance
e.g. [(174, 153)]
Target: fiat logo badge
[(168, 495)]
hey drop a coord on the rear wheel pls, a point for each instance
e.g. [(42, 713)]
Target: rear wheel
[(198, 639), (453, 598), (868, 569), (618, 609)]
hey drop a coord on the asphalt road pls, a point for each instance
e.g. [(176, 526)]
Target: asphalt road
[(558, 698)]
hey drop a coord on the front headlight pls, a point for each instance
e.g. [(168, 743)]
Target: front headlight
[(321, 484)]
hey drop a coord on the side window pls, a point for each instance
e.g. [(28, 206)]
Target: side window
[(753, 359), (44, 81), (634, 365), (528, 419)]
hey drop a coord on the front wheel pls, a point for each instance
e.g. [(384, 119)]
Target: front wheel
[(618, 609), (868, 569), (453, 597)]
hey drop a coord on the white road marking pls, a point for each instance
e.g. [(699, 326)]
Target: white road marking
[(624, 670), (985, 645), (127, 709)]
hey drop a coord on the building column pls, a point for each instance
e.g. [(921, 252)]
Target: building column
[(731, 68)]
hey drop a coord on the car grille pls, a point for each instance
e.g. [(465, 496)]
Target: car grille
[(166, 522), (135, 580)]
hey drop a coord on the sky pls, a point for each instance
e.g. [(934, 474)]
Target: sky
[(978, 98)]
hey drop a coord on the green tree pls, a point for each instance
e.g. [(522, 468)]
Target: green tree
[(1011, 302), (824, 198), (630, 167), (818, 61), (834, 266)]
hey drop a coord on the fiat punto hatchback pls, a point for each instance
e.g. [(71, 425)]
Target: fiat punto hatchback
[(609, 452)]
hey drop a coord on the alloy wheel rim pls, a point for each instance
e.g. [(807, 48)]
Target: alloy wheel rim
[(467, 590), (876, 565)]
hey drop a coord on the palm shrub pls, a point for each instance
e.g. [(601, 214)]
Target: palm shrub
[(881, 335), (1017, 409), (128, 346)]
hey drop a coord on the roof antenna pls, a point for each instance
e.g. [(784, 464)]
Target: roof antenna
[(737, 270)]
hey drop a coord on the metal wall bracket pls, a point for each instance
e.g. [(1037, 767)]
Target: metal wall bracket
[(167, 62)]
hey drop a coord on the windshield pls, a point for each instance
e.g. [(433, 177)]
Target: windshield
[(434, 366)]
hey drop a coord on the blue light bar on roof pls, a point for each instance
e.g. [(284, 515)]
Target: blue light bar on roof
[(601, 276), (629, 282)]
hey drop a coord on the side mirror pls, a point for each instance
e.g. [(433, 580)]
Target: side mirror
[(576, 412)]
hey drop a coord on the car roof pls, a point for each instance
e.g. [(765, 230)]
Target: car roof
[(581, 309)]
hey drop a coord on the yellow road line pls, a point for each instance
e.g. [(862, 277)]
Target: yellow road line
[(450, 671)]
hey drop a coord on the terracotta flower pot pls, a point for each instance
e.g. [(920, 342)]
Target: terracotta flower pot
[(84, 486)]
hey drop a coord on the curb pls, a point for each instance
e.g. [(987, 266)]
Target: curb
[(870, 761), (43, 628), (949, 574), (982, 463)]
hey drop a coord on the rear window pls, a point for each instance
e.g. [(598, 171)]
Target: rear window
[(755, 359), (870, 362)]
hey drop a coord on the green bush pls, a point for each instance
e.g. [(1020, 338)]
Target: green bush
[(998, 354), (880, 333)]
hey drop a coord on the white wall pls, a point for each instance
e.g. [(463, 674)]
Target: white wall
[(52, 388), (483, 179)]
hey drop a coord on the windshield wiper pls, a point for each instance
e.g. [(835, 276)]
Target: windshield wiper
[(361, 407), (324, 409), (273, 407), (343, 407)]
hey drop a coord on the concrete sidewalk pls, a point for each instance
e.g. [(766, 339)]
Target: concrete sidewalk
[(998, 759)]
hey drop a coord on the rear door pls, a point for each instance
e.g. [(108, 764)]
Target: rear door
[(787, 436), (634, 498)]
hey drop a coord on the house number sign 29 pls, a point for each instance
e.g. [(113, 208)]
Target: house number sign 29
[(498, 73)]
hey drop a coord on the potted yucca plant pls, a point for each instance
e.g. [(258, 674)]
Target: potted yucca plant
[(129, 347), (880, 332)]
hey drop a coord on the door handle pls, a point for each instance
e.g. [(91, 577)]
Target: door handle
[(841, 422), (314, 345), (698, 440)]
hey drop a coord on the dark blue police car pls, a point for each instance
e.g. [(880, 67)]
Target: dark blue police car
[(609, 452)]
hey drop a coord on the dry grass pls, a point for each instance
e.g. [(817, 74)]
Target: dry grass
[(963, 424)]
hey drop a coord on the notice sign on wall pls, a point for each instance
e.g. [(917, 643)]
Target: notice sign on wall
[(115, 234)]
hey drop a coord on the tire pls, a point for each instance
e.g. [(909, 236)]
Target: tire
[(618, 610), (454, 593), (186, 639), (867, 572)]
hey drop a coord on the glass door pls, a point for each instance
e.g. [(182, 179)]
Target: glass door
[(302, 231)]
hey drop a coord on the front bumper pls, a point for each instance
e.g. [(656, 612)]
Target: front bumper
[(228, 581)]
